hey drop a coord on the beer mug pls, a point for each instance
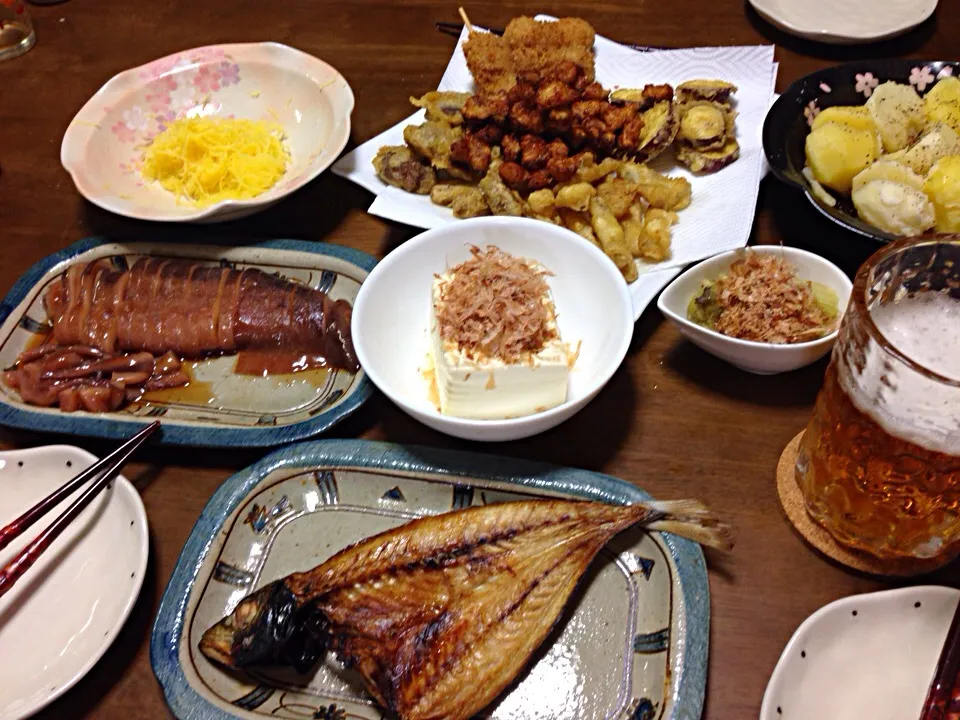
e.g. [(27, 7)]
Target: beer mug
[(879, 464)]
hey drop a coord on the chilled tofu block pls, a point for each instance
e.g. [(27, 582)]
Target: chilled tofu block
[(484, 365)]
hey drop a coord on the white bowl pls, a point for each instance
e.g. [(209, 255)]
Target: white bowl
[(104, 143), (865, 656), (756, 357), (391, 317), (64, 613)]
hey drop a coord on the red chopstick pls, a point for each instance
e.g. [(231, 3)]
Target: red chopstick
[(105, 471), (943, 699)]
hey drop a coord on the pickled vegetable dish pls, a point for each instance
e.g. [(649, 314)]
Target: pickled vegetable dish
[(761, 299)]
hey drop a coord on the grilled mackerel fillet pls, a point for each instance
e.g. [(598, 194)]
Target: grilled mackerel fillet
[(441, 614)]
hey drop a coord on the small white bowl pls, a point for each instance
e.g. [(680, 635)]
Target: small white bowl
[(755, 357), (391, 317), (865, 656), (104, 143)]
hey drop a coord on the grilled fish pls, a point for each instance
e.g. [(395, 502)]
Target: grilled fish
[(441, 614)]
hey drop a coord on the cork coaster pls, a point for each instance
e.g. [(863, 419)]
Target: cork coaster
[(792, 501)]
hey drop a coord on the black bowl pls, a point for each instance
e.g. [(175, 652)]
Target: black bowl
[(786, 126)]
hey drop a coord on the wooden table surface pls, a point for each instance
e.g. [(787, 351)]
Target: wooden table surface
[(673, 420)]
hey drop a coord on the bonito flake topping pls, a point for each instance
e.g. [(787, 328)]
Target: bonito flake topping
[(496, 305), (761, 299)]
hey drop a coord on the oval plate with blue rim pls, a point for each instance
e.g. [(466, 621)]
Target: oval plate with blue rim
[(219, 408), (788, 123), (632, 644)]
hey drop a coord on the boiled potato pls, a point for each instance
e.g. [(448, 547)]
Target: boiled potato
[(942, 103), (836, 152), (943, 188), (886, 169), (856, 116), (894, 207), (938, 142), (899, 114)]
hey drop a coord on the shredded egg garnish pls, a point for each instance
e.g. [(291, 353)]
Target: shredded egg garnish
[(204, 160)]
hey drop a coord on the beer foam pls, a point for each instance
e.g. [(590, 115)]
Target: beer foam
[(926, 329)]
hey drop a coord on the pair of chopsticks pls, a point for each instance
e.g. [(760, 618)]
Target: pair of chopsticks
[(454, 30), (102, 474), (943, 698)]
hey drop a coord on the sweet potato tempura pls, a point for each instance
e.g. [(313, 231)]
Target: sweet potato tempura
[(529, 49)]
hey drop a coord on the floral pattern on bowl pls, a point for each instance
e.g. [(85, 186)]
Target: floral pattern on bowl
[(921, 77), (103, 146)]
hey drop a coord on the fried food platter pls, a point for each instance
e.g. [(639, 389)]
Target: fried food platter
[(633, 638), (725, 199)]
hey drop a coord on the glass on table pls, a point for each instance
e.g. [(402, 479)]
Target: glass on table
[(879, 464), (16, 29)]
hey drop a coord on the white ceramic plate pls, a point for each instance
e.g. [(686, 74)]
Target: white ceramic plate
[(64, 613), (848, 22), (391, 317), (756, 357), (866, 656), (103, 145)]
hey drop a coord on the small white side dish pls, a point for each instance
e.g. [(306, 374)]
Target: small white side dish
[(756, 357), (103, 146), (391, 317), (865, 656), (64, 613)]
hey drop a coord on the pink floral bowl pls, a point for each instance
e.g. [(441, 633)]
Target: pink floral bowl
[(103, 146)]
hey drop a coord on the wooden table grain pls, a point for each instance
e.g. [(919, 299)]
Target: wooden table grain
[(673, 420)]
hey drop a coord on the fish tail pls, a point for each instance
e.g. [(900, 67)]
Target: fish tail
[(690, 519)]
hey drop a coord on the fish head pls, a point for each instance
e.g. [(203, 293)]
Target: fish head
[(267, 627)]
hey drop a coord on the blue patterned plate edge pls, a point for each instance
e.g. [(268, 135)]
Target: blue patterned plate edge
[(170, 434), (689, 680)]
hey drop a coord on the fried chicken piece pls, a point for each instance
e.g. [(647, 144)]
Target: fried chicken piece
[(558, 120), (489, 61), (526, 119), (471, 152), (514, 176), (557, 148), (594, 91), (487, 107), (658, 93), (585, 109), (533, 152), (576, 136), (540, 48), (442, 106), (500, 199), (396, 165), (511, 148), (563, 169), (632, 134), (539, 179), (555, 94), (522, 92), (615, 117), (566, 72), (594, 128), (466, 201), (491, 133)]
